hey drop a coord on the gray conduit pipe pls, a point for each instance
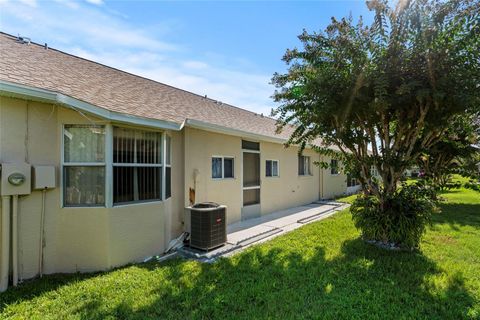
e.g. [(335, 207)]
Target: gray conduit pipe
[(5, 257), (42, 235), (15, 240)]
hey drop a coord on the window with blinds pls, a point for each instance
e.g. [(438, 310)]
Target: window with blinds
[(137, 166)]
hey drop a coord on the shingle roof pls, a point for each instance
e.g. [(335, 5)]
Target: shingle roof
[(119, 91)]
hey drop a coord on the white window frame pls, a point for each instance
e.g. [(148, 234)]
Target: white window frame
[(278, 168), (81, 164), (337, 167), (168, 164), (307, 170), (223, 167), (357, 182), (108, 165)]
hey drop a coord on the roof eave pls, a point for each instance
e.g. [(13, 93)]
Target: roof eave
[(197, 124), (16, 90)]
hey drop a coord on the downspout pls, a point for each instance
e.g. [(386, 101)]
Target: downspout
[(5, 257), (15, 240)]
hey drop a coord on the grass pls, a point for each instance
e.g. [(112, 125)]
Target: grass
[(322, 270)]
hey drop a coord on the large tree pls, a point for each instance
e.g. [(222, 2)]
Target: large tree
[(386, 93)]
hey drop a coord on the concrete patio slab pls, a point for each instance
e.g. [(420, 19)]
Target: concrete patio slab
[(245, 233), (241, 235)]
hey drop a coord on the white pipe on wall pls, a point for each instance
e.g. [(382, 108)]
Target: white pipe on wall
[(5, 254), (15, 240)]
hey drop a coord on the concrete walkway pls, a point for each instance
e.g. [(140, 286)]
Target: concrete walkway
[(243, 234)]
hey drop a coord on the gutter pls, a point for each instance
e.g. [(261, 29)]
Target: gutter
[(9, 89), (197, 124), (205, 126)]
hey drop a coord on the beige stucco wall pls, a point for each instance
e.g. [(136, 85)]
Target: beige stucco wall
[(333, 185), (277, 193), (80, 239), (200, 146), (288, 189)]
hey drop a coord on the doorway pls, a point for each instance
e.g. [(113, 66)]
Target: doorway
[(251, 180)]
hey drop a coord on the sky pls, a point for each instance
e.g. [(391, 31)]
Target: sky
[(227, 50)]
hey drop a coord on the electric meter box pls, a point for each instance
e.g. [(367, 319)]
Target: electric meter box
[(43, 177), (15, 179)]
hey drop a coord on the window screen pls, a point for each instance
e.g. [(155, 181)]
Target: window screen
[(84, 186), (271, 169), (303, 165), (352, 181), (137, 165), (251, 196), (84, 165), (228, 167), (217, 168), (334, 166), (250, 145), (251, 169), (223, 167)]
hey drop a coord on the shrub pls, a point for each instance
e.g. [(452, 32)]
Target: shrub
[(473, 185), (404, 217)]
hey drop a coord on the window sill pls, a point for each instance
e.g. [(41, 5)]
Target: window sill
[(83, 206), (305, 175), (136, 203), (272, 176), (220, 179)]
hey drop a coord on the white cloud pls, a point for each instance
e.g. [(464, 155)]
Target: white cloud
[(72, 4), (199, 65), (110, 39), (96, 2), (31, 3)]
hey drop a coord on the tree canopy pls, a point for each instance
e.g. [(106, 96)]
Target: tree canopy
[(385, 93)]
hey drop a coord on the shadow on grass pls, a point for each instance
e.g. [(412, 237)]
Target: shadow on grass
[(362, 282), (458, 214), (287, 280), (35, 287)]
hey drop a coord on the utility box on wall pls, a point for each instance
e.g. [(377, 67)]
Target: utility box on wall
[(15, 179), (43, 177)]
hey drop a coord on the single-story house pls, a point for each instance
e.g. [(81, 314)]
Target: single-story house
[(98, 164)]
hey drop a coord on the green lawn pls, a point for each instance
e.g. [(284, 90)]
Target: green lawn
[(322, 270)]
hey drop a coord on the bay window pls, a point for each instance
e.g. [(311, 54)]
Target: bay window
[(138, 163)]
